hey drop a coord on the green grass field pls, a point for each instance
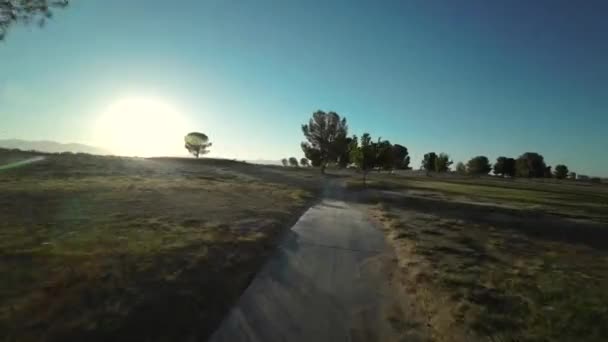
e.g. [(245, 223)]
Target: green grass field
[(109, 248)]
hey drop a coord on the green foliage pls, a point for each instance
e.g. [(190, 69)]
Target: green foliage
[(311, 154), (428, 162), (530, 164), (572, 175), (401, 159), (384, 154), (304, 162), (504, 166), (326, 135), (443, 162), (285, 162), (364, 154), (197, 143), (26, 11), (344, 153), (561, 171), (293, 162), (461, 169), (479, 165)]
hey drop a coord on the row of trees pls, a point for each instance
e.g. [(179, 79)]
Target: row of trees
[(328, 142), (529, 165), (293, 162)]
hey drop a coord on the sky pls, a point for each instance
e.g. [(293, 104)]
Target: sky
[(494, 78)]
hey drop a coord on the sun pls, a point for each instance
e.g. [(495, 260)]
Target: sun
[(141, 126)]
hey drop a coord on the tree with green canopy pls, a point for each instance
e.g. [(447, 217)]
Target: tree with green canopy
[(26, 11), (428, 162), (384, 155), (400, 157), (443, 162), (504, 167), (561, 171), (530, 164), (197, 143), (326, 135), (479, 165), (304, 162), (293, 162), (285, 162), (461, 169), (364, 154)]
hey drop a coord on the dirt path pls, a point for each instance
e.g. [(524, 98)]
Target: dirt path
[(326, 283), (21, 163)]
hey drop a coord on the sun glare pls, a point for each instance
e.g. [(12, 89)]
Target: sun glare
[(142, 127)]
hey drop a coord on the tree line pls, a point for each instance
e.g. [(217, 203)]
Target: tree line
[(327, 142)]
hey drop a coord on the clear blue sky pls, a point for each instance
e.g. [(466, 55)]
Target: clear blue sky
[(462, 77)]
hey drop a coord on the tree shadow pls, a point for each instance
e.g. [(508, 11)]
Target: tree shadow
[(528, 222)]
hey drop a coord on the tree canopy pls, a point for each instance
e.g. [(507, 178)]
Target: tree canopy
[(479, 165), (561, 171), (364, 154), (443, 163), (293, 162), (428, 162), (400, 157), (504, 166), (26, 11), (530, 164), (304, 162), (197, 143), (461, 169), (326, 135)]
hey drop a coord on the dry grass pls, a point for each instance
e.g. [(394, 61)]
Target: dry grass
[(108, 248), (566, 199), (476, 281)]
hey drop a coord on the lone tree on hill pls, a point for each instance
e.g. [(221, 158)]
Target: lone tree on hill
[(293, 162), (326, 138), (197, 143), (26, 11), (479, 165)]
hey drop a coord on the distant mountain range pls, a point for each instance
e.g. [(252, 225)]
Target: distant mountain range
[(50, 146)]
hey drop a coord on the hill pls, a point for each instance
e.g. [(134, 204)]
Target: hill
[(50, 146)]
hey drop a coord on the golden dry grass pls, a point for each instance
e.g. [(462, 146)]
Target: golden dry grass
[(475, 281), (108, 248)]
